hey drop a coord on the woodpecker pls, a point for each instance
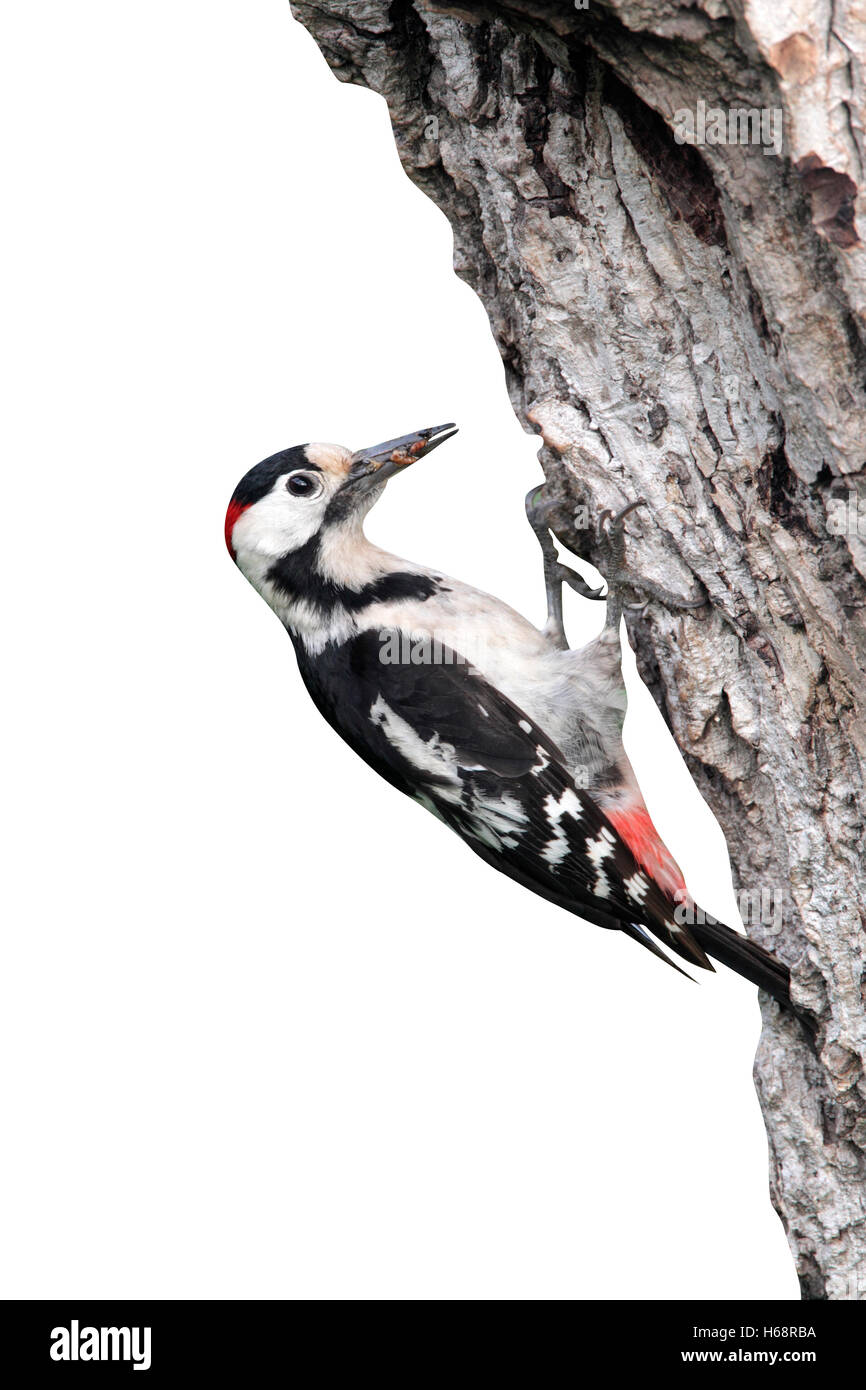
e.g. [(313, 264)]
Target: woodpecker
[(494, 725)]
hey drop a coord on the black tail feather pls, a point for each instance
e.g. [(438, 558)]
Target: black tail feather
[(752, 962)]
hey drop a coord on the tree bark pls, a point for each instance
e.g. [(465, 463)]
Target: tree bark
[(682, 322)]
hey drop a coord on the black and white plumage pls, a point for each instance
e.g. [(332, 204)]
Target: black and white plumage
[(462, 704)]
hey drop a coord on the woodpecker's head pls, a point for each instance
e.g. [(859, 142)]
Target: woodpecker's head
[(299, 507)]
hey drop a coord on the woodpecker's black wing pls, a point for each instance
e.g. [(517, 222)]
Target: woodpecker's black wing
[(441, 733)]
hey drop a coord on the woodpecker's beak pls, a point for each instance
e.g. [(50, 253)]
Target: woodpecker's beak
[(384, 460)]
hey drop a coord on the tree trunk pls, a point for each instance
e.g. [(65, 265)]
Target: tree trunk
[(679, 314)]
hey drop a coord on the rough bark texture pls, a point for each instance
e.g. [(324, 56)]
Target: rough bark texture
[(684, 323)]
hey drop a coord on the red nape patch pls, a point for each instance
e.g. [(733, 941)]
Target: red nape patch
[(235, 510), (648, 848)]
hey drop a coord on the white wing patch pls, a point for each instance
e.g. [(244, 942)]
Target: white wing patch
[(490, 818), (543, 760), (601, 887), (596, 852), (494, 819), (637, 886), (556, 848), (567, 805), (428, 805), (435, 758), (602, 848)]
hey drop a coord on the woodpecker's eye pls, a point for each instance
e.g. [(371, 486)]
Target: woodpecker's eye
[(303, 485)]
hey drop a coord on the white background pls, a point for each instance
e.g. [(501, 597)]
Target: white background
[(267, 1028)]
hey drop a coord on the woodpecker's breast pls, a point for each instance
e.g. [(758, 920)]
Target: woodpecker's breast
[(561, 691), (339, 585)]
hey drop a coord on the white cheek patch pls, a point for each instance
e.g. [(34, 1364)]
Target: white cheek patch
[(278, 523)]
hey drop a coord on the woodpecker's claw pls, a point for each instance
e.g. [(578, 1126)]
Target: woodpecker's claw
[(541, 514), (546, 516), (576, 582), (611, 537), (609, 519)]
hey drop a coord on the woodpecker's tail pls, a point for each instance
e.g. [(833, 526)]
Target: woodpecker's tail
[(748, 959), (752, 962)]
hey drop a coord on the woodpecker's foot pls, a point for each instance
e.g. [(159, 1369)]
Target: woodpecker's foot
[(539, 512), (620, 582)]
